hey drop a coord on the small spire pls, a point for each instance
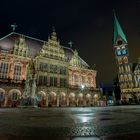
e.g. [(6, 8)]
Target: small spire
[(14, 26), (53, 34), (53, 31), (118, 32)]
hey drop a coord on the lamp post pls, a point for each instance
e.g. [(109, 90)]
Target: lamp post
[(82, 87)]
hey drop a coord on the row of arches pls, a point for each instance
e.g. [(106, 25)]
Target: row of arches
[(72, 99), (125, 77), (131, 97), (14, 97), (10, 99)]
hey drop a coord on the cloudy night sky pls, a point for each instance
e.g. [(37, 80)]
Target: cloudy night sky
[(87, 23)]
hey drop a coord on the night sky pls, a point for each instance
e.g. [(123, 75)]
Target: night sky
[(87, 23)]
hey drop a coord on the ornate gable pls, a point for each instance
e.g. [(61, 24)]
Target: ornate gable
[(75, 60), (20, 48), (52, 48)]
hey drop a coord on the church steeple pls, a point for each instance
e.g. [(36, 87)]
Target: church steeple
[(125, 74), (118, 33)]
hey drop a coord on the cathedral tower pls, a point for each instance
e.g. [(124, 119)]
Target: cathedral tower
[(120, 46)]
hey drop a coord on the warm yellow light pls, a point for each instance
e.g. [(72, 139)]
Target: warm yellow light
[(95, 96)]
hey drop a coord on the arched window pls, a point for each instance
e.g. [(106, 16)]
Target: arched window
[(126, 68), (1, 95), (89, 81), (118, 52), (125, 77), (130, 77), (124, 52), (119, 60), (14, 96), (122, 69), (121, 78)]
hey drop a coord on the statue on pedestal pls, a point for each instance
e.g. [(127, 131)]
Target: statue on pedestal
[(30, 86), (27, 87), (33, 87)]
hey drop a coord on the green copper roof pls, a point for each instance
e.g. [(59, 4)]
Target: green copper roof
[(118, 32)]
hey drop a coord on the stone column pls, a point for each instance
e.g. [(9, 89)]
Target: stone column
[(77, 101), (73, 80), (67, 100), (6, 100), (84, 101), (33, 88), (57, 100), (48, 80), (11, 69), (47, 100)]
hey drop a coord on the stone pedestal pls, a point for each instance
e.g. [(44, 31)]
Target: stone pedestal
[(29, 102), (67, 101), (57, 100)]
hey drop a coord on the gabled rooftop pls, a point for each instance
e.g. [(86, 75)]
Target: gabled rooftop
[(34, 45)]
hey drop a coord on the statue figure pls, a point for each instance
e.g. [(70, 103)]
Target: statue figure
[(33, 87), (32, 67), (30, 86), (27, 87)]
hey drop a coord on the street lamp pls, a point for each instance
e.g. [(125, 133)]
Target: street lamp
[(95, 96), (82, 87)]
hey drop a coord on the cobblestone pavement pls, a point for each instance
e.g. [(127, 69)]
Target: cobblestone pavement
[(69, 123)]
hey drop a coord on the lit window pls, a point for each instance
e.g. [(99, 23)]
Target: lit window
[(124, 52), (17, 72), (1, 96), (3, 70), (14, 96), (118, 52)]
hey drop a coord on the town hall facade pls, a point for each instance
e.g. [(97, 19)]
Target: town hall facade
[(53, 74)]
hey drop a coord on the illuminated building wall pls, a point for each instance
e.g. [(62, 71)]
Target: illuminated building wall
[(128, 73), (62, 77)]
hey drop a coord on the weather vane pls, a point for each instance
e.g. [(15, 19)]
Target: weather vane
[(70, 43), (14, 26)]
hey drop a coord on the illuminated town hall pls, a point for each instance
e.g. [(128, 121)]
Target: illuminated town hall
[(44, 72)]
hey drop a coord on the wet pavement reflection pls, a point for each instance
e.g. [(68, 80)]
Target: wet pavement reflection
[(70, 123)]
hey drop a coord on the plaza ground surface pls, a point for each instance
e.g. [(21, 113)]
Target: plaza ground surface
[(79, 123)]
